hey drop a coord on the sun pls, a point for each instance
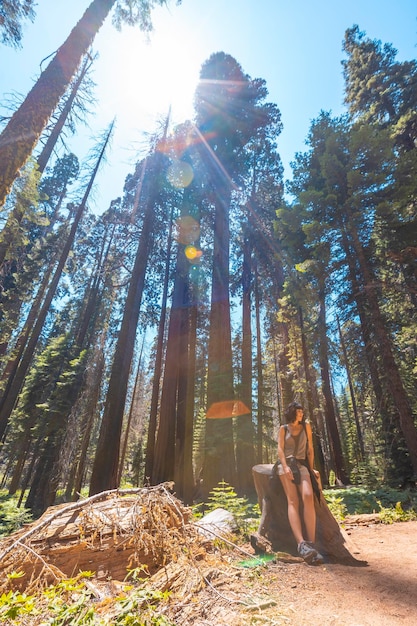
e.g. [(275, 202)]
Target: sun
[(142, 79), (137, 83)]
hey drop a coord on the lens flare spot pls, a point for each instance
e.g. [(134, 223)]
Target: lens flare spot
[(180, 174), (192, 253), (195, 274), (227, 408), (187, 230)]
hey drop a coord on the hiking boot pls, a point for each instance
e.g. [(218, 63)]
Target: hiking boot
[(318, 559), (307, 552)]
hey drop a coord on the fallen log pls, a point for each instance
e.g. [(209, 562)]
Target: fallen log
[(274, 532), (107, 534)]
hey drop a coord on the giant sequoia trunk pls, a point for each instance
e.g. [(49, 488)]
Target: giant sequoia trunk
[(219, 460), (188, 481), (93, 384), (169, 458), (175, 363), (370, 349), (244, 427), (314, 411), (285, 375), (352, 393), (153, 413), (22, 133), (259, 372)]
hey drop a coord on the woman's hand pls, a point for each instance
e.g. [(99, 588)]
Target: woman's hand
[(288, 472)]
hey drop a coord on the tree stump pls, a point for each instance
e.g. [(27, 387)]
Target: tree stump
[(274, 532)]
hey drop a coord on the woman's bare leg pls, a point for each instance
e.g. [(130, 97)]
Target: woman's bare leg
[(293, 507), (309, 512)]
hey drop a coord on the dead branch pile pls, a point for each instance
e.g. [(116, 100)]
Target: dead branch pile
[(211, 592), (107, 534), (148, 529)]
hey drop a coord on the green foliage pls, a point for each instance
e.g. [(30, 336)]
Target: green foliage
[(137, 608), (14, 604), (11, 516), (135, 13), (225, 497), (336, 505), (389, 515), (357, 500), (71, 602), (23, 202), (367, 473), (13, 16), (332, 478)]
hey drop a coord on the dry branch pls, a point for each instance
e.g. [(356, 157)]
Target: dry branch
[(107, 534)]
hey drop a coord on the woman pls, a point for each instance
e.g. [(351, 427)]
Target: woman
[(295, 440)]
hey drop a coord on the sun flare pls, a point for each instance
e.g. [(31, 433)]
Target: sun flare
[(149, 78)]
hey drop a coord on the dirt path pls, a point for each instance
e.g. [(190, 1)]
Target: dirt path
[(383, 593)]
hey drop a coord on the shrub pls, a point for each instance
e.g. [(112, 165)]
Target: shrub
[(359, 500), (225, 497), (11, 516)]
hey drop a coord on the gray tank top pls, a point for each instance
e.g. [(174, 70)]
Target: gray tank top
[(291, 443)]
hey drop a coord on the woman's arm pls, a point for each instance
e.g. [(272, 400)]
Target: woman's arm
[(281, 450), (310, 448)]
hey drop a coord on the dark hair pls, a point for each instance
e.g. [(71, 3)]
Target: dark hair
[(291, 412)]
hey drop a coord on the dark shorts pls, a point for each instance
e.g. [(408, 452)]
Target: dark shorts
[(303, 470)]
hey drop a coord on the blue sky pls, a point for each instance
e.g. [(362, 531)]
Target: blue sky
[(295, 45)]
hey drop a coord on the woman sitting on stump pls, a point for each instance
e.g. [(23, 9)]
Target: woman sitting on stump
[(296, 455)]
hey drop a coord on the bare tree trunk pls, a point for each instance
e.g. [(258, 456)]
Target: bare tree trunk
[(106, 462), (277, 380), (182, 393), (284, 378), (164, 460), (312, 408), (89, 418), (51, 142), (22, 133), (21, 460), (188, 471), (369, 343), (131, 411)]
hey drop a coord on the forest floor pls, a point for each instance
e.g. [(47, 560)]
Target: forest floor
[(381, 592), (224, 584)]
